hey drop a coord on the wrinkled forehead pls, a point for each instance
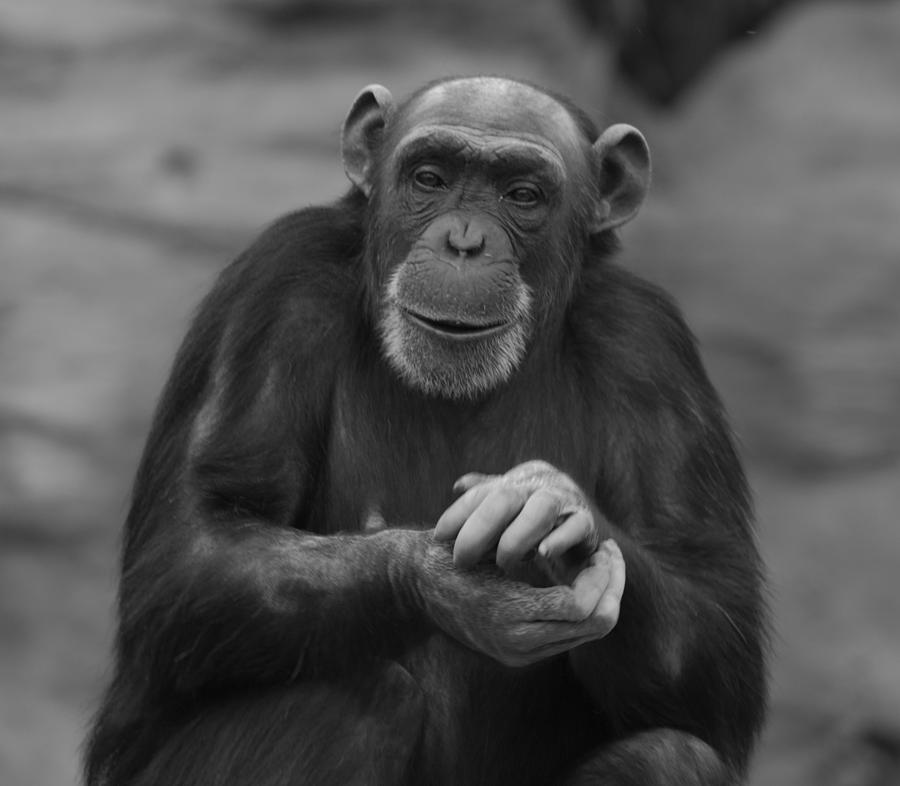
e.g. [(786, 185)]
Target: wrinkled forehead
[(501, 108)]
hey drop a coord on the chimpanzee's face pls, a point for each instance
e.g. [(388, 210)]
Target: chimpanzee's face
[(475, 224), (483, 195)]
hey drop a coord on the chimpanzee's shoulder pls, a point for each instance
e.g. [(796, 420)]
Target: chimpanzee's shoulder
[(301, 271), (314, 252), (635, 330)]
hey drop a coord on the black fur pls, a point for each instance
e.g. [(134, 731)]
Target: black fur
[(250, 652)]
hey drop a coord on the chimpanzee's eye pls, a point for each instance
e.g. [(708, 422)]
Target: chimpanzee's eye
[(428, 178), (524, 195)]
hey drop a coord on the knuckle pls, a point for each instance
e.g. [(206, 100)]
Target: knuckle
[(531, 471), (539, 467), (502, 494), (512, 493), (572, 500), (548, 497), (495, 495), (608, 609), (532, 466), (583, 610)]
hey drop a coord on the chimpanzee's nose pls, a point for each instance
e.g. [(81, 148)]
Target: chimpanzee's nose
[(466, 237)]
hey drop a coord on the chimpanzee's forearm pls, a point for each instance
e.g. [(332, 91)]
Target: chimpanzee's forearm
[(253, 603)]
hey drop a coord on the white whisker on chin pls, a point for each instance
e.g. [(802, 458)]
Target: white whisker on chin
[(450, 369)]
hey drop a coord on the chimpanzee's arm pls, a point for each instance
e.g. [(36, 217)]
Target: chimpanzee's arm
[(689, 648), (219, 584), (243, 601)]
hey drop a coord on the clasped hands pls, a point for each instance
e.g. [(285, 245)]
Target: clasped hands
[(539, 528)]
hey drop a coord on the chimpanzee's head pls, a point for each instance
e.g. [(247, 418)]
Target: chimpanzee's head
[(484, 194)]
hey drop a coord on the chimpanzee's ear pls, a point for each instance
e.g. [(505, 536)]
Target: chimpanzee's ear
[(361, 132), (624, 159)]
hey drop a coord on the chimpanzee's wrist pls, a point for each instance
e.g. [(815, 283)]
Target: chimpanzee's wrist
[(406, 568)]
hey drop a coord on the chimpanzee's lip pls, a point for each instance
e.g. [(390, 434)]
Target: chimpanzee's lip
[(455, 329)]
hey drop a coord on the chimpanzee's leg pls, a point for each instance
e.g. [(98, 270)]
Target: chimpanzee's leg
[(315, 734), (659, 757)]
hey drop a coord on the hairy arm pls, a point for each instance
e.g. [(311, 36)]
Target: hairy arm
[(689, 648), (224, 580)]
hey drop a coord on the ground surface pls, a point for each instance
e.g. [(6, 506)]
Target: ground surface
[(141, 146)]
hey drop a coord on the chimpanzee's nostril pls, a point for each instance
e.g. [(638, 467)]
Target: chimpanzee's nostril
[(477, 245), (466, 239)]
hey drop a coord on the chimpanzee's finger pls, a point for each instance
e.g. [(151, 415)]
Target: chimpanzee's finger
[(575, 530), (452, 519), (469, 481), (482, 530), (536, 519), (608, 607), (590, 585)]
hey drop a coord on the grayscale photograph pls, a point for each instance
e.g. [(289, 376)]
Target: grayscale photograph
[(450, 393)]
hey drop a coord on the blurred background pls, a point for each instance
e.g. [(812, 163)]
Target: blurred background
[(142, 144)]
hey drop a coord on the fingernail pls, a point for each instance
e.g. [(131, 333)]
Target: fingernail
[(544, 549)]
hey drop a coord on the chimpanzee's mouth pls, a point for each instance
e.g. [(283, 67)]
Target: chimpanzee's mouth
[(455, 328)]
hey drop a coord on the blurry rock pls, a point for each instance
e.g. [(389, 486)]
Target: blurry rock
[(28, 68), (287, 13), (179, 161), (826, 401), (851, 390), (665, 46), (77, 26), (782, 200), (807, 748), (49, 464), (870, 757)]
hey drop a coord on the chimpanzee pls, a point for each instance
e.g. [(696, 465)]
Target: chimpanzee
[(408, 450)]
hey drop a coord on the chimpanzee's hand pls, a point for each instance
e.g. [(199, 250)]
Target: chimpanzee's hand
[(512, 622), (534, 514)]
